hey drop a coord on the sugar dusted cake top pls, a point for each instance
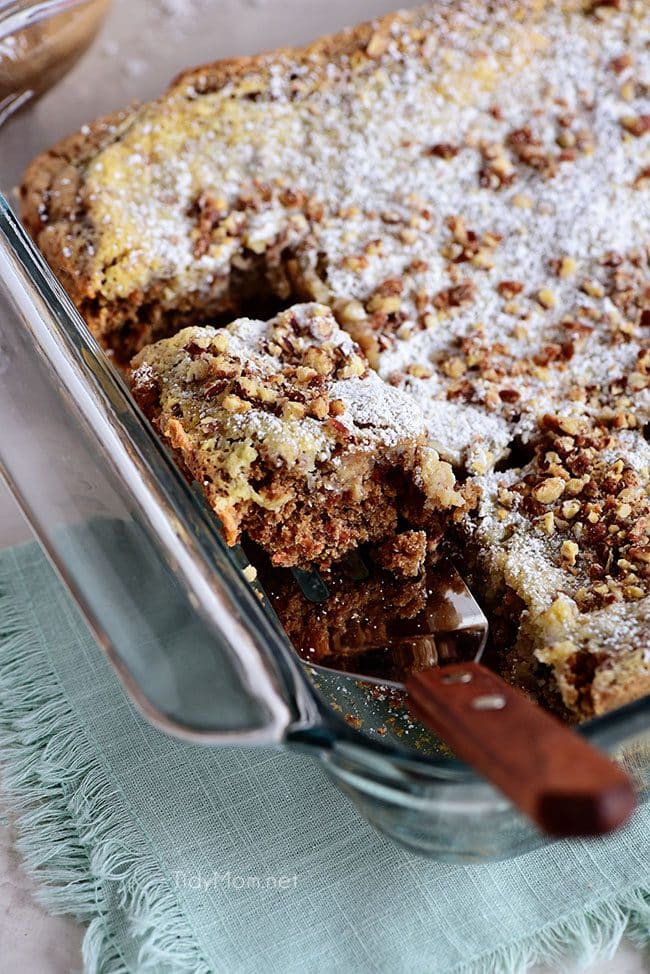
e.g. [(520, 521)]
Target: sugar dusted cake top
[(297, 387), (467, 185)]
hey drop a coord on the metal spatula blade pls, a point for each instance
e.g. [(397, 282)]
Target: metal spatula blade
[(450, 627), (426, 636)]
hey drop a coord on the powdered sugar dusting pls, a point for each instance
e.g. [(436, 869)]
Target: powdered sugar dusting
[(392, 154), (376, 415)]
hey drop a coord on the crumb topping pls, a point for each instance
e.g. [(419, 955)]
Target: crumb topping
[(297, 386), (263, 413)]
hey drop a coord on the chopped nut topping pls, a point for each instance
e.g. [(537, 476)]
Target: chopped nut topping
[(529, 150), (455, 297), (634, 592), (294, 410), (305, 374), (497, 169), (419, 371), (549, 490), (254, 389), (443, 150), (570, 509), (567, 267), (611, 519), (508, 289), (546, 522), (593, 288), (509, 395), (546, 298), (569, 552), (388, 305), (636, 125), (220, 342), (233, 404), (621, 63), (319, 407), (352, 312), (355, 366), (454, 367)]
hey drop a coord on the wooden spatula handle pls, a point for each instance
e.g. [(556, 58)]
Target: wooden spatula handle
[(550, 772)]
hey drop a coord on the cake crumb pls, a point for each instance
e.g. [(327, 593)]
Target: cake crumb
[(403, 555)]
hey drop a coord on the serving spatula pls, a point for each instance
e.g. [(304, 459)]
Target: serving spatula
[(433, 652)]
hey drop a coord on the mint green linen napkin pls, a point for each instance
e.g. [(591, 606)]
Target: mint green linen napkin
[(183, 858)]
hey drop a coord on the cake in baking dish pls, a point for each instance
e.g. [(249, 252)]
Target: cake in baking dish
[(293, 438), (467, 187)]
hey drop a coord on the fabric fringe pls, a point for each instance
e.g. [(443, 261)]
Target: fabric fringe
[(90, 864), (574, 942), (88, 861)]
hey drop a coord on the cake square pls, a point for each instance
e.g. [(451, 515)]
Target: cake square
[(293, 438)]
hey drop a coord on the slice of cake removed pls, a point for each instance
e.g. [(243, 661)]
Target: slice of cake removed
[(293, 438)]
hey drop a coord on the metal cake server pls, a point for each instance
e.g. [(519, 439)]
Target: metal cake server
[(559, 780)]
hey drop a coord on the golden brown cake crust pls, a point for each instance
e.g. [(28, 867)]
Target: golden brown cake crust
[(53, 190), (50, 199)]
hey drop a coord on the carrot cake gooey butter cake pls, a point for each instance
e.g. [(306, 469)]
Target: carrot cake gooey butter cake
[(466, 186)]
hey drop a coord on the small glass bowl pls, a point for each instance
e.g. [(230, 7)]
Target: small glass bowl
[(39, 43)]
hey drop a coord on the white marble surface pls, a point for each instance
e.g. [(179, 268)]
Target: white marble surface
[(141, 47), (32, 941)]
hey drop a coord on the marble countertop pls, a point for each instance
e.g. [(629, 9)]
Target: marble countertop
[(141, 46)]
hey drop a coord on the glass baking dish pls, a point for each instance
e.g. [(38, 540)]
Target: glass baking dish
[(196, 648)]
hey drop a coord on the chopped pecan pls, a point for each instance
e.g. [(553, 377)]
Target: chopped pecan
[(443, 150), (636, 125), (509, 395), (455, 297), (508, 289)]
